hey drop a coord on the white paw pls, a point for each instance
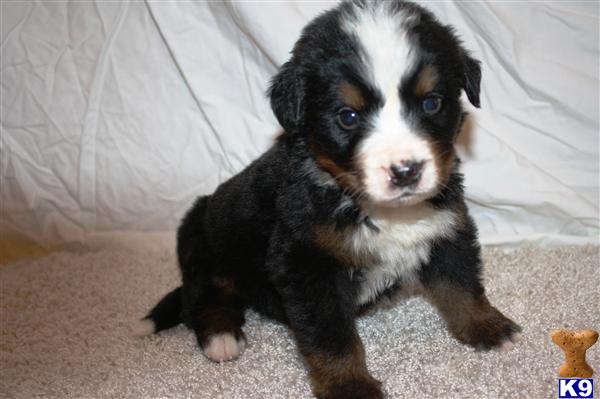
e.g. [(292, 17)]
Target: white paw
[(509, 344), (517, 337), (142, 328), (506, 346), (223, 347)]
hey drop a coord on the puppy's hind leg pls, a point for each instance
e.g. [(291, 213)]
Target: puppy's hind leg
[(212, 306), (215, 311)]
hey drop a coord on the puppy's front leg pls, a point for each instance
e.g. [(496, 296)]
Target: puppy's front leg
[(340, 375), (471, 318), (452, 283), (317, 296)]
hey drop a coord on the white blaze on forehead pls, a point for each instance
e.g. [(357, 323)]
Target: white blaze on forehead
[(388, 57), (386, 50)]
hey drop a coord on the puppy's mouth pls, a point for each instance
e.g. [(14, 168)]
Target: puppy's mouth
[(406, 199)]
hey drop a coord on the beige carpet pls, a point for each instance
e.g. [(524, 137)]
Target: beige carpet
[(65, 333)]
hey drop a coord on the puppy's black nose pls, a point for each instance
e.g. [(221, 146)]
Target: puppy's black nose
[(406, 173)]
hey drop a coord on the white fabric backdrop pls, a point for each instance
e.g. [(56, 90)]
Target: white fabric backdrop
[(115, 116)]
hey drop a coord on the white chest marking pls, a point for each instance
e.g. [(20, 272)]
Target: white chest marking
[(402, 244)]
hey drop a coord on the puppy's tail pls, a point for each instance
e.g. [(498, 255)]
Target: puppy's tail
[(166, 314)]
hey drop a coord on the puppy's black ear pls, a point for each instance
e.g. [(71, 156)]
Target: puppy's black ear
[(287, 93), (472, 79)]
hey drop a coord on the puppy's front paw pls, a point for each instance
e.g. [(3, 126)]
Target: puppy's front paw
[(353, 389), (491, 330)]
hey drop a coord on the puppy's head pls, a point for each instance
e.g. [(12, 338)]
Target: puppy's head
[(373, 89)]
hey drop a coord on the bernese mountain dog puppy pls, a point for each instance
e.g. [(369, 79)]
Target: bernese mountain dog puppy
[(361, 195)]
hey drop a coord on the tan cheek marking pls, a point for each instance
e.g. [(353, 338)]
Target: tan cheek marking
[(443, 159), (351, 95), (427, 80), (344, 178)]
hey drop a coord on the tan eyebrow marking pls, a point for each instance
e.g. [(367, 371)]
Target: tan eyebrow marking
[(428, 78), (351, 95)]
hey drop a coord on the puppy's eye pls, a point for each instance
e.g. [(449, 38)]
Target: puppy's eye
[(432, 105), (347, 118)]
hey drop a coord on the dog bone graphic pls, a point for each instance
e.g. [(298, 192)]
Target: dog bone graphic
[(574, 344)]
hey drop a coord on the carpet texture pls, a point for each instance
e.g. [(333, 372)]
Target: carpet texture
[(65, 324)]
